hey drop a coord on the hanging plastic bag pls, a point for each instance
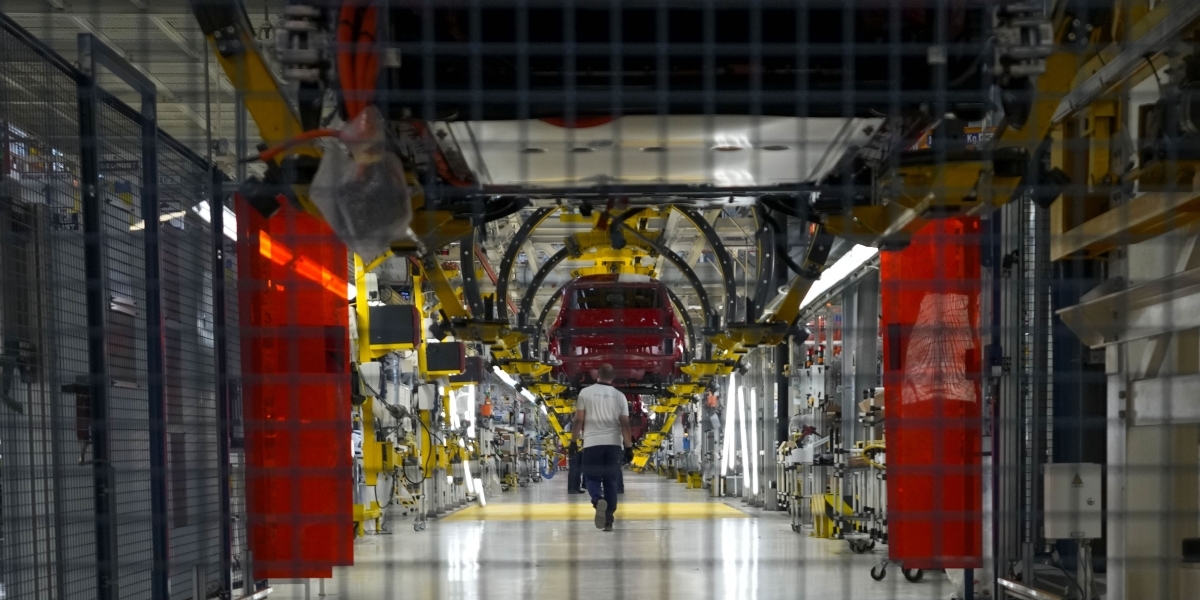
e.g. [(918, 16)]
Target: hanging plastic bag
[(360, 190)]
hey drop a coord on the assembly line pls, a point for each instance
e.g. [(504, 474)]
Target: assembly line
[(642, 299)]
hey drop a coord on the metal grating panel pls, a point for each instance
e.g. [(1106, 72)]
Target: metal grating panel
[(189, 369), (46, 506), (120, 171), (48, 510)]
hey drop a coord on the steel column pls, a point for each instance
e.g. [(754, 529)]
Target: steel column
[(849, 388), (92, 54), (1008, 423), (865, 352), (769, 432), (216, 211), (95, 259), (1038, 378)]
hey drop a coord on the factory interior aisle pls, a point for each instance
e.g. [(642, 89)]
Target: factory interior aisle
[(669, 542)]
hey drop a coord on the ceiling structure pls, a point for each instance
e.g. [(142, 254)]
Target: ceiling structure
[(196, 105), (718, 150), (162, 40)]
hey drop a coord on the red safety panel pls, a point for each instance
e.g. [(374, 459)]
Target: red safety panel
[(932, 375), (292, 283)]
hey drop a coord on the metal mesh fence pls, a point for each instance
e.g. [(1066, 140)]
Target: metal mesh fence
[(120, 149), (192, 431), (48, 512), (855, 119), (46, 515)]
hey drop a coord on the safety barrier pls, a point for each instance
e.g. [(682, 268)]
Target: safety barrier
[(117, 300)]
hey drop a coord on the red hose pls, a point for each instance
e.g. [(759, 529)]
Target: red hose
[(345, 60), (312, 134), (366, 57)]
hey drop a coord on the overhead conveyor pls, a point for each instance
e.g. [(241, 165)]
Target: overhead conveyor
[(877, 183)]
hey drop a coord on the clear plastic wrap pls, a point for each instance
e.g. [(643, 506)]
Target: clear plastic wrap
[(360, 190)]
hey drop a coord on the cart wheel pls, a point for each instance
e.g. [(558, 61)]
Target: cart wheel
[(796, 527), (522, 484), (858, 547), (913, 575), (871, 546), (878, 572)]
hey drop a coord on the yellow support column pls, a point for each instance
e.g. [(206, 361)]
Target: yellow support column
[(372, 448)]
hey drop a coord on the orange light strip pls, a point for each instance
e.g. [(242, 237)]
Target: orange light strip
[(303, 266)]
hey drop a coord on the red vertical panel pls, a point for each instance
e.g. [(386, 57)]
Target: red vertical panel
[(932, 375), (292, 282)]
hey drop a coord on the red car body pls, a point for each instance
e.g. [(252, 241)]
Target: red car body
[(624, 320)]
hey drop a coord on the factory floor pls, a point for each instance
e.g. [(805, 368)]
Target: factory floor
[(669, 542)]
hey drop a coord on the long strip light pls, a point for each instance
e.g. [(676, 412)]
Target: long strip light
[(741, 409), (471, 411), (730, 416), (753, 416), (513, 383), (452, 404), (847, 264), (479, 492)]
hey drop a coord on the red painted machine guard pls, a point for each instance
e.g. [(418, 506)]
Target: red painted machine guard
[(933, 397), (292, 284)]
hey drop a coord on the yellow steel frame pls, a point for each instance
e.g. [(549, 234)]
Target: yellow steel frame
[(651, 441), (970, 187), (264, 98), (373, 449)]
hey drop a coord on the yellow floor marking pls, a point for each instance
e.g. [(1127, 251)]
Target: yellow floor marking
[(583, 511)]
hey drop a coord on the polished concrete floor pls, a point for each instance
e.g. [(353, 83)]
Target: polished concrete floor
[(671, 543)]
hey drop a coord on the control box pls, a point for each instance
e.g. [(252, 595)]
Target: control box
[(1073, 501)]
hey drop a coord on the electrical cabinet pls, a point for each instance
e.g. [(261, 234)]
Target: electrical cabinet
[(1073, 501)]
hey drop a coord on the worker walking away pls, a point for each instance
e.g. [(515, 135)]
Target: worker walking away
[(602, 423)]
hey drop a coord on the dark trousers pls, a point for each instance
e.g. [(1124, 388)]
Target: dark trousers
[(574, 471), (602, 473)]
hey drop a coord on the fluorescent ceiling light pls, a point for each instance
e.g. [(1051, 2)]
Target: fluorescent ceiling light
[(505, 377), (229, 223), (163, 218), (847, 264)]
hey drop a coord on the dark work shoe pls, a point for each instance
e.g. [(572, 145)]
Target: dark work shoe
[(608, 527), (601, 513)]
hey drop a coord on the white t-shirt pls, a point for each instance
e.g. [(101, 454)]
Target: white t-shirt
[(603, 406)]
